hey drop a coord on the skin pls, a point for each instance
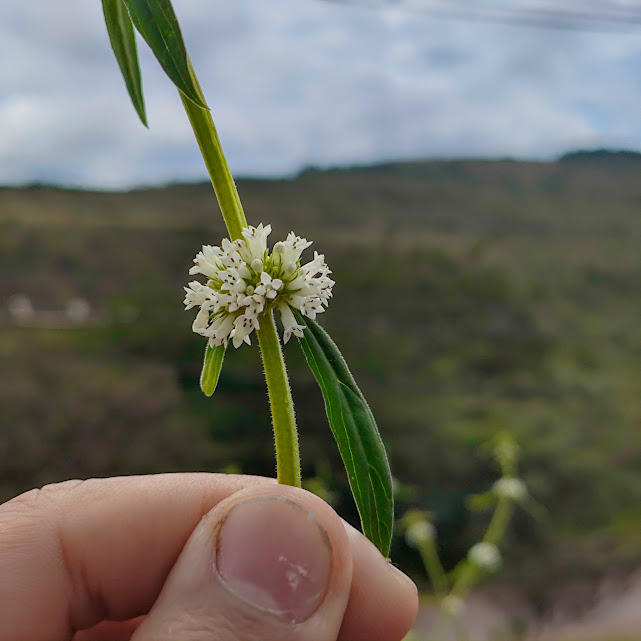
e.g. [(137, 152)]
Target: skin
[(87, 560)]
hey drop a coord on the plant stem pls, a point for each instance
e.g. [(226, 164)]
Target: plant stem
[(434, 568), (203, 125), (494, 533), (500, 519), (280, 400), (280, 396)]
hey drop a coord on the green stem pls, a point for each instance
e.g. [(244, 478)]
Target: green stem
[(280, 400), (500, 520), (494, 533), (203, 125), (434, 568), (280, 396)]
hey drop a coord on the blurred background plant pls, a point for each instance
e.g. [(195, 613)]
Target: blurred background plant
[(451, 589)]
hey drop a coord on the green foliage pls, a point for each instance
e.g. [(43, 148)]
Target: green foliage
[(212, 365), (157, 24), (356, 434), (123, 43), (499, 305)]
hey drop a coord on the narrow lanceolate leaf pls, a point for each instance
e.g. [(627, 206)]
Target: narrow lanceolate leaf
[(211, 368), (123, 42), (356, 434), (158, 25)]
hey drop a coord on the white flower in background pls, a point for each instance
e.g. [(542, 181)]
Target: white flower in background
[(510, 488), (486, 556), (419, 533), (452, 605), (246, 281)]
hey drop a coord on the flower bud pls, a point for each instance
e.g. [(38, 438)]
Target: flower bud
[(452, 605), (486, 556), (510, 488), (419, 533)]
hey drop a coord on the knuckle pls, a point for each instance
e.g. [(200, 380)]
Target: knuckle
[(39, 500)]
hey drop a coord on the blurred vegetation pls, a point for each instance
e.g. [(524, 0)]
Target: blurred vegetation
[(472, 297)]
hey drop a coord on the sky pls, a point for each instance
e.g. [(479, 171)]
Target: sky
[(299, 83)]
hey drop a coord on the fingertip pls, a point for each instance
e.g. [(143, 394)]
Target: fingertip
[(383, 602)]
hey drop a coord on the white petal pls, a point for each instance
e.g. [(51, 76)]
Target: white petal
[(296, 301), (237, 338), (296, 284), (225, 327), (201, 321), (290, 326)]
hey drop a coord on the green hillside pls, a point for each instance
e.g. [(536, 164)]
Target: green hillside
[(472, 297)]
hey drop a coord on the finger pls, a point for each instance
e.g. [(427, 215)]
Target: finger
[(268, 563), (109, 631), (383, 601), (77, 553)]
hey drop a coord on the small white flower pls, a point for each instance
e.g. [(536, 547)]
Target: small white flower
[(256, 240), (289, 323), (288, 251), (486, 556), (452, 605), (245, 281), (510, 488), (419, 533)]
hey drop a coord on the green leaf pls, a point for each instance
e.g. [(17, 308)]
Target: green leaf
[(123, 42), (211, 368), (356, 434), (158, 25)]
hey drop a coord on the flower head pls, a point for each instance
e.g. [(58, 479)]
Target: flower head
[(245, 281), (452, 605), (420, 532), (486, 556), (510, 488)]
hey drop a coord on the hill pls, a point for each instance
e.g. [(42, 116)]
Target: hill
[(472, 297)]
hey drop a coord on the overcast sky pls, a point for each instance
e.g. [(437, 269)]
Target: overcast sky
[(294, 83)]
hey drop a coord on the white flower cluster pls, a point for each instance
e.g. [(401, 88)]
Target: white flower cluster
[(245, 281), (419, 533), (452, 605), (486, 556), (510, 488)]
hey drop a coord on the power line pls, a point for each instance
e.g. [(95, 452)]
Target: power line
[(603, 17)]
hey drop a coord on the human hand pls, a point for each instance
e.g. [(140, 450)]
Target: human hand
[(192, 557)]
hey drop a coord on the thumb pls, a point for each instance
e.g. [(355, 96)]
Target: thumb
[(264, 564)]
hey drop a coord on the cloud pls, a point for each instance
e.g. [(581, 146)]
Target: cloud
[(304, 82)]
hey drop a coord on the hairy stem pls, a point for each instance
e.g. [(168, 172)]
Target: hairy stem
[(212, 152), (280, 400), (280, 396)]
